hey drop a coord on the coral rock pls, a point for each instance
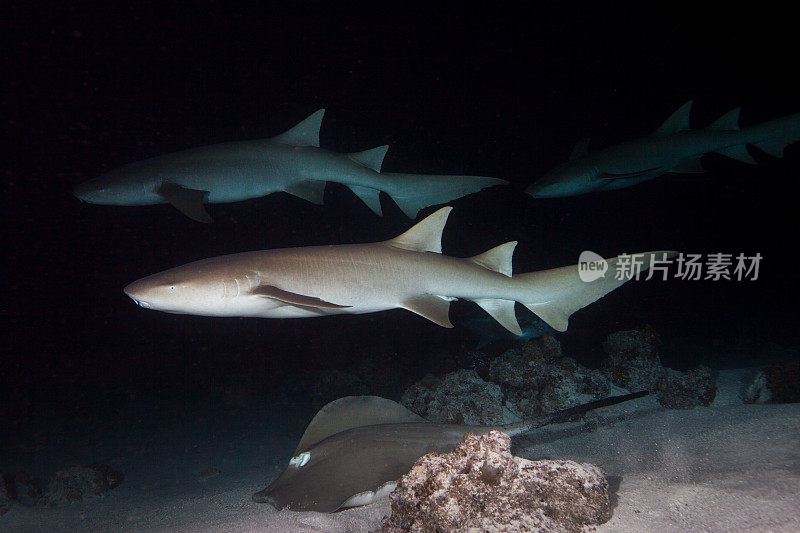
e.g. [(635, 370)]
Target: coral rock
[(783, 382), (481, 486), (73, 484), (633, 359), (461, 397), (684, 390), (538, 380)]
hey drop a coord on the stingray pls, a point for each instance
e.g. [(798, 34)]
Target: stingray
[(357, 447)]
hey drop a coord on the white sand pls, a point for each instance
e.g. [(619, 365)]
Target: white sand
[(730, 467)]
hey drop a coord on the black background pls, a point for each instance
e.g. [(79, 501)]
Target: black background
[(494, 92)]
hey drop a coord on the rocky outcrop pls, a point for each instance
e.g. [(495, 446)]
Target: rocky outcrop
[(537, 379), (684, 390), (461, 397), (67, 485), (775, 384), (633, 360), (481, 486)]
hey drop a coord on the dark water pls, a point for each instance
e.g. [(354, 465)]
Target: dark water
[(91, 87)]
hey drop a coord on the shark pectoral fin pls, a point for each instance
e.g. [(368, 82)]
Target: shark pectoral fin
[(311, 190), (190, 202), (434, 308), (292, 298), (370, 196), (691, 165), (503, 312), (612, 176)]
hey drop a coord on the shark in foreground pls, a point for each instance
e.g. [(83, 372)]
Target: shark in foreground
[(292, 162), (356, 448), (673, 147), (407, 272)]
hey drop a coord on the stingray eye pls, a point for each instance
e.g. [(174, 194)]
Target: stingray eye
[(299, 461)]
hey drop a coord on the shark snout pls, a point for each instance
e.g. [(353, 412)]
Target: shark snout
[(136, 292)]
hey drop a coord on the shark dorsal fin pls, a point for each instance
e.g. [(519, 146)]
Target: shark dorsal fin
[(352, 412), (306, 133), (581, 149), (678, 121), (426, 235), (498, 258), (728, 121), (372, 158)]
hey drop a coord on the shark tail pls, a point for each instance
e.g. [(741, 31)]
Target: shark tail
[(553, 295), (413, 192), (778, 134)]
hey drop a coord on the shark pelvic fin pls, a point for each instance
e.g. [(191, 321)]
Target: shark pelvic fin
[(190, 202), (738, 152), (311, 190), (727, 122), (498, 259), (372, 158), (678, 121), (503, 312), (581, 149), (292, 298), (306, 133), (425, 236), (352, 412), (370, 196), (434, 308)]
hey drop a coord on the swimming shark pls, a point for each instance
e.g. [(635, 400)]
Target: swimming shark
[(356, 448), (292, 162), (406, 272), (674, 147)]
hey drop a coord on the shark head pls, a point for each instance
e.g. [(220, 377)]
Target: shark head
[(199, 288), (568, 179), (128, 185)]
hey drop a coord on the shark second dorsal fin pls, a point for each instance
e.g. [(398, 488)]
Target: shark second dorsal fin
[(352, 412), (678, 121), (372, 158), (498, 258), (306, 133), (426, 235)]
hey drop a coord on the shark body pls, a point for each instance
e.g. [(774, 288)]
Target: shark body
[(357, 447), (674, 147), (292, 162), (407, 272)]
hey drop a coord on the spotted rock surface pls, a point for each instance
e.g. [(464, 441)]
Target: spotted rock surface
[(481, 486)]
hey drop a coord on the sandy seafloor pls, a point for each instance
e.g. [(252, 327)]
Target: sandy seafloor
[(728, 467)]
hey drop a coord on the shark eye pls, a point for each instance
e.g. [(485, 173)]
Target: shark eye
[(298, 461)]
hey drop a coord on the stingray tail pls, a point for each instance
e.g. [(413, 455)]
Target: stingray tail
[(565, 415)]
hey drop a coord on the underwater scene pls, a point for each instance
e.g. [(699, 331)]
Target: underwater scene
[(309, 267)]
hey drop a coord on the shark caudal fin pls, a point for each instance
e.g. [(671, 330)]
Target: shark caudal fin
[(554, 295), (413, 192), (774, 136)]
